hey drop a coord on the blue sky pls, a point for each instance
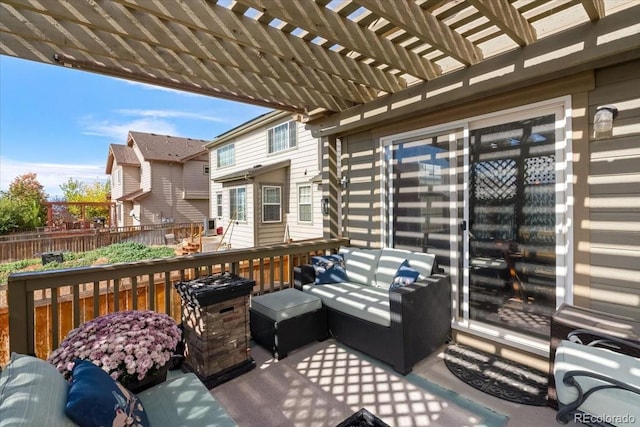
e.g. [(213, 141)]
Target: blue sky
[(59, 122)]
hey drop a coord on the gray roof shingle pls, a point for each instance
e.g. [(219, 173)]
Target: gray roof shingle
[(165, 147)]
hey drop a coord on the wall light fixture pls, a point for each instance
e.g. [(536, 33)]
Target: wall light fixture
[(603, 119)]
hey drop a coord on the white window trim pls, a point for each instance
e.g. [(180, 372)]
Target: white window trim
[(230, 147), (219, 206), (264, 187), (310, 186), (246, 208), (289, 147)]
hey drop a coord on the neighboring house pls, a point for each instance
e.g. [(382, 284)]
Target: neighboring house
[(157, 179), (264, 182)]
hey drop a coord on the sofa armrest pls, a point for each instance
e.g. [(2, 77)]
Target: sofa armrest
[(425, 302), (412, 299), (302, 275)]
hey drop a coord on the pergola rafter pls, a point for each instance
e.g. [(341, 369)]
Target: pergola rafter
[(305, 56)]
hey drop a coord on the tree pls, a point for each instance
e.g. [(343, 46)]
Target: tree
[(23, 206), (78, 191)]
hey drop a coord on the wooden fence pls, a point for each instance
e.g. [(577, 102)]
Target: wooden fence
[(32, 245)]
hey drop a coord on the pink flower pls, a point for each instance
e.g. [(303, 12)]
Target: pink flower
[(127, 344)]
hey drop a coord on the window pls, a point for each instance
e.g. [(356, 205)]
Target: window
[(282, 137), (304, 203), (271, 204), (219, 204), (226, 156), (238, 204)]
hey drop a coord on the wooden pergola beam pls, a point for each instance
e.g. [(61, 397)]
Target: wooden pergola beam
[(426, 27), (137, 45), (594, 8), (145, 57), (508, 19), (327, 24), (250, 33)]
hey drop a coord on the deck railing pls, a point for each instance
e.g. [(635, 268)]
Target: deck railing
[(44, 306)]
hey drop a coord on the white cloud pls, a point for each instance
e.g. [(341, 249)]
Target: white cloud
[(160, 88), (50, 175), (171, 114), (117, 132)]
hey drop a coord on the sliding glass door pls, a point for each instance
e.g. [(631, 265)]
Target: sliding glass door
[(490, 197)]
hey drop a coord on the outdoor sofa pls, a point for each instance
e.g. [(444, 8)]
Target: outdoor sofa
[(372, 307), (34, 393)]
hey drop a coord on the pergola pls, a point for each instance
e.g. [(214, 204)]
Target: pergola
[(312, 57), (81, 205)]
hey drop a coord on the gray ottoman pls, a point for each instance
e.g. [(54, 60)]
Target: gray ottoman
[(285, 320)]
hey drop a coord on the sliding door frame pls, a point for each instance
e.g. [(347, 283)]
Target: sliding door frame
[(564, 246)]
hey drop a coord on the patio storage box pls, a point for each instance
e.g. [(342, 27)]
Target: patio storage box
[(215, 319)]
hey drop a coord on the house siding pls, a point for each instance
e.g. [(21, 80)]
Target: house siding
[(131, 179), (304, 166), (117, 189), (129, 182), (194, 181), (361, 201), (269, 233), (239, 234), (166, 201), (251, 150), (614, 194)]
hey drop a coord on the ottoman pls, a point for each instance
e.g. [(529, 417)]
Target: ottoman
[(285, 320)]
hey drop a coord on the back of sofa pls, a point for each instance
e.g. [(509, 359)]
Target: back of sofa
[(378, 267), (360, 264)]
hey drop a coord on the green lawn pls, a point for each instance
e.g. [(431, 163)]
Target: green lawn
[(120, 252)]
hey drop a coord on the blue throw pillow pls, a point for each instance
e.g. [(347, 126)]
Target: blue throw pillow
[(96, 399), (404, 276), (329, 269)]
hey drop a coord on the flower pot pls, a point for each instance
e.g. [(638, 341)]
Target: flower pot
[(136, 386)]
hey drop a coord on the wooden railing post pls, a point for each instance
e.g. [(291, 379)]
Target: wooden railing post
[(235, 268), (21, 325)]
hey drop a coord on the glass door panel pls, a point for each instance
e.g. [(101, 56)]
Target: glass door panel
[(512, 221), (423, 196)]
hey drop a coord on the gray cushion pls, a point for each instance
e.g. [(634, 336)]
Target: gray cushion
[(285, 304), (361, 301), (360, 264), (183, 401), (388, 264), (422, 263), (572, 356), (32, 393)]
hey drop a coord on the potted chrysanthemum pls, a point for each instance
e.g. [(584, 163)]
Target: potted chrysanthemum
[(134, 347)]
